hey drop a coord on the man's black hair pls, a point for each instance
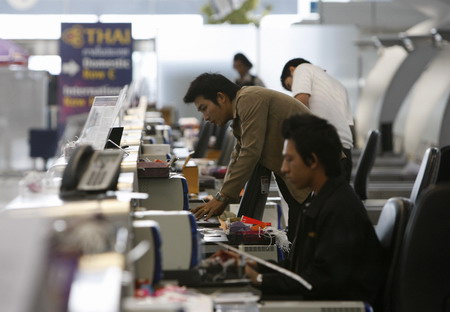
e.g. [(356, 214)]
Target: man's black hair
[(241, 57), (315, 135), (287, 72), (208, 85)]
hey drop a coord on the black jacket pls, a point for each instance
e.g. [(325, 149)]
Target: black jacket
[(335, 249)]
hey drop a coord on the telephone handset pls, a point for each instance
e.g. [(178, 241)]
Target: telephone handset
[(90, 171)]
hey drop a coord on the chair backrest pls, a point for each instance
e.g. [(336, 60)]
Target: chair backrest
[(390, 230), (201, 147), (220, 133), (228, 144), (423, 282), (365, 163), (427, 174), (444, 165)]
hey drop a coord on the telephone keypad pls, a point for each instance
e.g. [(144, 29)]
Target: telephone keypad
[(101, 170)]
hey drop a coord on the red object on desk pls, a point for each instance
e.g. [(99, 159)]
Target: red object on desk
[(249, 220)]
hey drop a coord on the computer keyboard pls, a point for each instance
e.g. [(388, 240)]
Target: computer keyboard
[(211, 222)]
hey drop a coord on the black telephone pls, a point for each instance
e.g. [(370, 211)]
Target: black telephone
[(90, 172)]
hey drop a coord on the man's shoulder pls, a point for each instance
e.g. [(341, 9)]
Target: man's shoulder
[(258, 91), (344, 195), (307, 67), (255, 95), (249, 97), (253, 89), (248, 94)]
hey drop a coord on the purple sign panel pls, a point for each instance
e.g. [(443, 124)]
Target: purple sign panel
[(96, 60)]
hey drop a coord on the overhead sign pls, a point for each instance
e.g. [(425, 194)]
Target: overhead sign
[(96, 61)]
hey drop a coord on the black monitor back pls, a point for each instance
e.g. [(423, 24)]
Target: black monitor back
[(201, 148), (114, 137), (255, 195)]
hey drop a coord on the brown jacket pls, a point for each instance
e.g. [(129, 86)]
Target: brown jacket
[(258, 114)]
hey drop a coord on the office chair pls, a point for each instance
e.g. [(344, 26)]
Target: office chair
[(423, 282), (427, 174), (226, 149), (425, 177), (444, 165), (390, 231), (220, 132), (365, 164), (201, 147)]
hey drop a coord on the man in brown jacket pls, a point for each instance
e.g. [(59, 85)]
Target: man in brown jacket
[(257, 115)]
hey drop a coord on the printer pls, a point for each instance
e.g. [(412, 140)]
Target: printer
[(180, 242)]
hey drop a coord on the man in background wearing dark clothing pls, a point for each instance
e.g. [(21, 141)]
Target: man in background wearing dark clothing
[(335, 247)]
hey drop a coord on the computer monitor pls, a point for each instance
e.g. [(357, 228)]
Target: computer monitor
[(114, 137), (255, 195), (102, 116)]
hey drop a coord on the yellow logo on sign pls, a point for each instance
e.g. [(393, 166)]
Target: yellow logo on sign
[(77, 35), (74, 36)]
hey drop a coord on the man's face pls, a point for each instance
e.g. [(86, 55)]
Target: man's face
[(288, 83), (293, 167), (211, 112), (289, 79)]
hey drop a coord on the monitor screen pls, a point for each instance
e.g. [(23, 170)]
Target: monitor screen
[(101, 118)]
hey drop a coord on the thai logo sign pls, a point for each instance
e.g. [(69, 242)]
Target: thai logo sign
[(96, 61)]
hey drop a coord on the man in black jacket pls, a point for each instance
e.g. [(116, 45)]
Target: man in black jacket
[(335, 247)]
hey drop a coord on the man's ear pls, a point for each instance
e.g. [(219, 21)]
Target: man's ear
[(314, 161), (222, 98), (292, 69)]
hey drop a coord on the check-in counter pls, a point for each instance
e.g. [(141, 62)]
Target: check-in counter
[(77, 249)]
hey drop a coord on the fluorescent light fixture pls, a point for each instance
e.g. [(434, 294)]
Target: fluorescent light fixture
[(50, 63), (146, 26), (279, 20), (46, 26)]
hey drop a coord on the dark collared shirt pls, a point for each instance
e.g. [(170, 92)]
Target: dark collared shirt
[(335, 249)]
